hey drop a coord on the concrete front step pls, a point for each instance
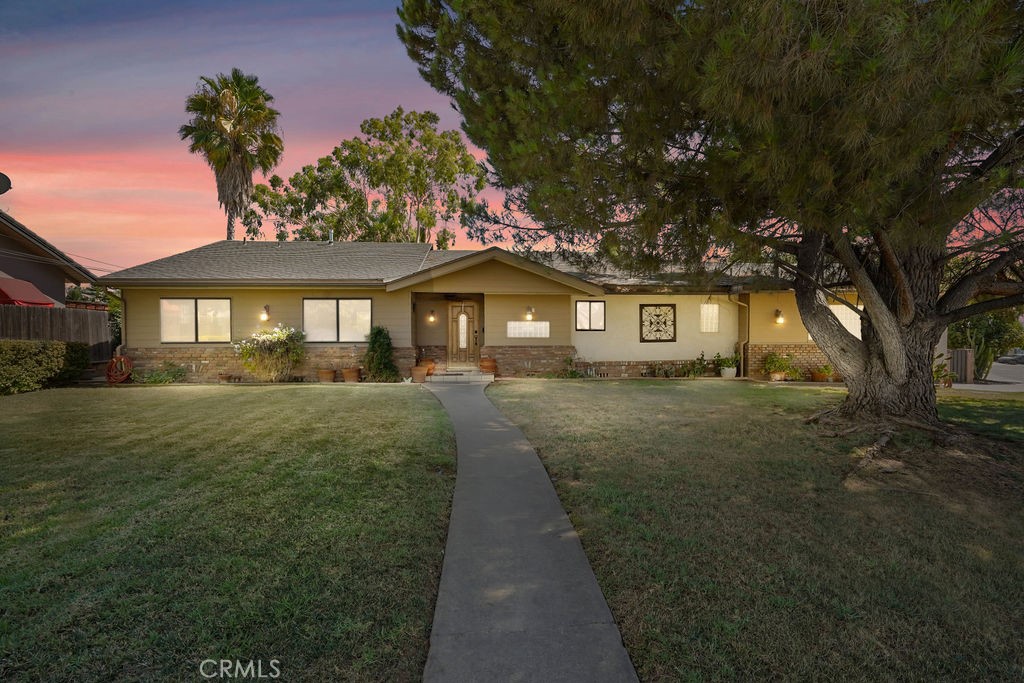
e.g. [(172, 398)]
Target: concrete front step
[(461, 377)]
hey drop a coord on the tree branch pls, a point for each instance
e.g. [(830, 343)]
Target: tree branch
[(982, 307), (905, 302), (969, 286), (882, 319)]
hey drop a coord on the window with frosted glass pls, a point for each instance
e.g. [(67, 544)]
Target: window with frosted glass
[(353, 319), (195, 320), (590, 316), (709, 318), (213, 320), (519, 329), (336, 320), (320, 320)]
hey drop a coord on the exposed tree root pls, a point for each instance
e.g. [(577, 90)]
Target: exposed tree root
[(874, 450)]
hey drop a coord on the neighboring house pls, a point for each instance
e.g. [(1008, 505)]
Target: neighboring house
[(455, 307), (26, 256)]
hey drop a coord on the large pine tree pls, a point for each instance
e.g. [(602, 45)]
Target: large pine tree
[(848, 142)]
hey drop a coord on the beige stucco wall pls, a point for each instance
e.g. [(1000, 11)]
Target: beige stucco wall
[(621, 338), (142, 310), (499, 309), (764, 329)]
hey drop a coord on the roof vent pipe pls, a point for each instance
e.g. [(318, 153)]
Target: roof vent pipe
[(330, 236)]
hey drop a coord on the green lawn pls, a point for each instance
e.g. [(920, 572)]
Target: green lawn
[(734, 542), (143, 530)]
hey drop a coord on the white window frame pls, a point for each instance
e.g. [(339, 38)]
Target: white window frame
[(195, 319)]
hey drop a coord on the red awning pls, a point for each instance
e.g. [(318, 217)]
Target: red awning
[(22, 293)]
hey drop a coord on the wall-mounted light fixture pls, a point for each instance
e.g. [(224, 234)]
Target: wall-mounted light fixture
[(432, 317), (529, 312), (779, 318), (265, 314)]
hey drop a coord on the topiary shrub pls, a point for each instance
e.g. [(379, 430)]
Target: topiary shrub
[(379, 361), (27, 365), (270, 355)]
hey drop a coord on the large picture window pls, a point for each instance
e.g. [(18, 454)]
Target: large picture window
[(336, 320), (590, 316), (190, 321)]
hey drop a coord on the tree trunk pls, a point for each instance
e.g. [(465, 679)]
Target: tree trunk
[(880, 386), (874, 393), (231, 226)]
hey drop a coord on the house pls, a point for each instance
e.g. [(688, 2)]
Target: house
[(28, 259), (455, 307)]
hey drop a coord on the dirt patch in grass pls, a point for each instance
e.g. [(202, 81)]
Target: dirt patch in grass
[(735, 542), (143, 530)]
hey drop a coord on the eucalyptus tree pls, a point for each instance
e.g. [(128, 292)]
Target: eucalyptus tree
[(402, 180), (234, 128), (850, 143)]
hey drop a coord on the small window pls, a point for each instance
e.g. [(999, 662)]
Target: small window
[(533, 329), (590, 316), (709, 318), (189, 321), (336, 320)]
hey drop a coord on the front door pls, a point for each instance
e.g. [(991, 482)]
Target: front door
[(463, 335)]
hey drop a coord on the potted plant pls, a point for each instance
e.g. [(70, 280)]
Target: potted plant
[(726, 364), (350, 374), (777, 366), (822, 373), (326, 374), (419, 374)]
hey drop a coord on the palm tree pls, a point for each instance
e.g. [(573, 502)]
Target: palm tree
[(235, 129)]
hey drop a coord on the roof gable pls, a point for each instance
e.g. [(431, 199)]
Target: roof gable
[(46, 252), (473, 259)]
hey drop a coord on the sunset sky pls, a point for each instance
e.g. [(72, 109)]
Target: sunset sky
[(94, 93)]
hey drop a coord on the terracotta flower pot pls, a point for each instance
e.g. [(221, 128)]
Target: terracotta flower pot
[(327, 375), (429, 364), (818, 376), (777, 376), (419, 374), (350, 374), (488, 365)]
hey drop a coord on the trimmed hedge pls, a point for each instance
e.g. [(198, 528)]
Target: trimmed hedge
[(30, 365)]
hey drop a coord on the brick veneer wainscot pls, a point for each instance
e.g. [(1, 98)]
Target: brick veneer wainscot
[(806, 357), (527, 361), (203, 362)]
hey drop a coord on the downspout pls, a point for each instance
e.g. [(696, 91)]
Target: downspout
[(746, 342)]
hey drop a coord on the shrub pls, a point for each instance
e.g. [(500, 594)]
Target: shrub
[(379, 361), (167, 373), (270, 355), (29, 365), (774, 362)]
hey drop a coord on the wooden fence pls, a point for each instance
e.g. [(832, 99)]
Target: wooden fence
[(59, 324)]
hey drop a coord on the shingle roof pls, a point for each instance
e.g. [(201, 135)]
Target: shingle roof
[(376, 263), (232, 261)]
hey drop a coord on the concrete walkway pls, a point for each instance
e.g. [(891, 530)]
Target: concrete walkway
[(518, 599)]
